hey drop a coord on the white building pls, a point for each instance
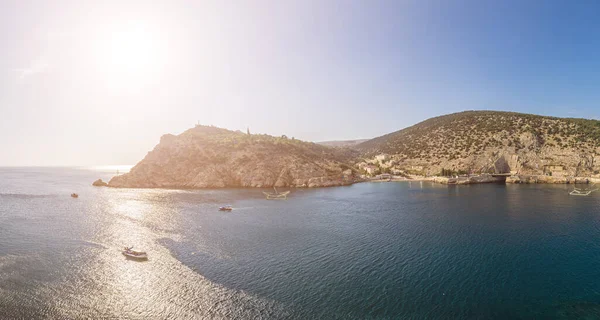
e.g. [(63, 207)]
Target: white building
[(382, 157), (371, 169)]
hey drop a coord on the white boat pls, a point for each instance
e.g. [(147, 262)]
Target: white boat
[(276, 195), (130, 253), (580, 192)]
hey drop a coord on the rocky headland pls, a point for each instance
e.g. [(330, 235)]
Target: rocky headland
[(211, 157)]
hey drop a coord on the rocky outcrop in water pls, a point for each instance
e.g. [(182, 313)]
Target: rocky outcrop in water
[(210, 157), (99, 183)]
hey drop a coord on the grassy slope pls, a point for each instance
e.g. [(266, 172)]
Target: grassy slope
[(472, 132)]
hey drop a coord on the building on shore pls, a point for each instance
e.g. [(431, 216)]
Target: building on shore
[(417, 169)]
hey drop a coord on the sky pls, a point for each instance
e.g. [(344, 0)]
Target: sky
[(98, 82)]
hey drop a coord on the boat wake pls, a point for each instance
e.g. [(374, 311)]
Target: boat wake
[(93, 244)]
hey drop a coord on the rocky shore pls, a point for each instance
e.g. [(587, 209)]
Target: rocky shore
[(515, 179), (486, 178), (550, 180)]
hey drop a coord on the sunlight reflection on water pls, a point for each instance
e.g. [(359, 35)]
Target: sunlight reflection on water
[(61, 258)]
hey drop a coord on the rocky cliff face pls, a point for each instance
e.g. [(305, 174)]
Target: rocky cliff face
[(210, 157), (491, 141)]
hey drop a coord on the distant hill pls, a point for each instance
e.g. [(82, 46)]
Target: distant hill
[(472, 141), (342, 143), (210, 157)]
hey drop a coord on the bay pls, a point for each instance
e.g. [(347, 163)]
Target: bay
[(366, 251)]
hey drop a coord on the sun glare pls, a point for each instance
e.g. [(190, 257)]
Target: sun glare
[(131, 54), (132, 49)]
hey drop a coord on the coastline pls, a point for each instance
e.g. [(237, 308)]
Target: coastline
[(460, 180), (400, 179), (514, 179), (312, 183), (412, 178), (542, 179)]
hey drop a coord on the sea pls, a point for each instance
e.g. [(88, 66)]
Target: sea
[(386, 250)]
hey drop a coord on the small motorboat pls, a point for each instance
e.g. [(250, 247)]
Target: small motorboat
[(130, 253), (74, 195), (225, 208)]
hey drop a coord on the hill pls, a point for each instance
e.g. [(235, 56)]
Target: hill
[(475, 141), (210, 157)]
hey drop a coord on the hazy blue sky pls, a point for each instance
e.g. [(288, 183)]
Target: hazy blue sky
[(98, 82)]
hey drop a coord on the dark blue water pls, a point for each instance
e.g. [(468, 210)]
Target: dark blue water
[(373, 250)]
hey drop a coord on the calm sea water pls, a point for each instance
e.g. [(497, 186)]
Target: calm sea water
[(367, 251)]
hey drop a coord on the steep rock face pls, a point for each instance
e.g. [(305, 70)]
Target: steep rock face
[(209, 157), (492, 141)]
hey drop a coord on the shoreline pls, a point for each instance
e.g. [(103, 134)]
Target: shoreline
[(542, 179), (183, 188), (461, 180), (514, 179), (400, 179)]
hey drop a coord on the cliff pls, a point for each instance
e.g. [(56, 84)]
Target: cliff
[(491, 141), (210, 157)]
